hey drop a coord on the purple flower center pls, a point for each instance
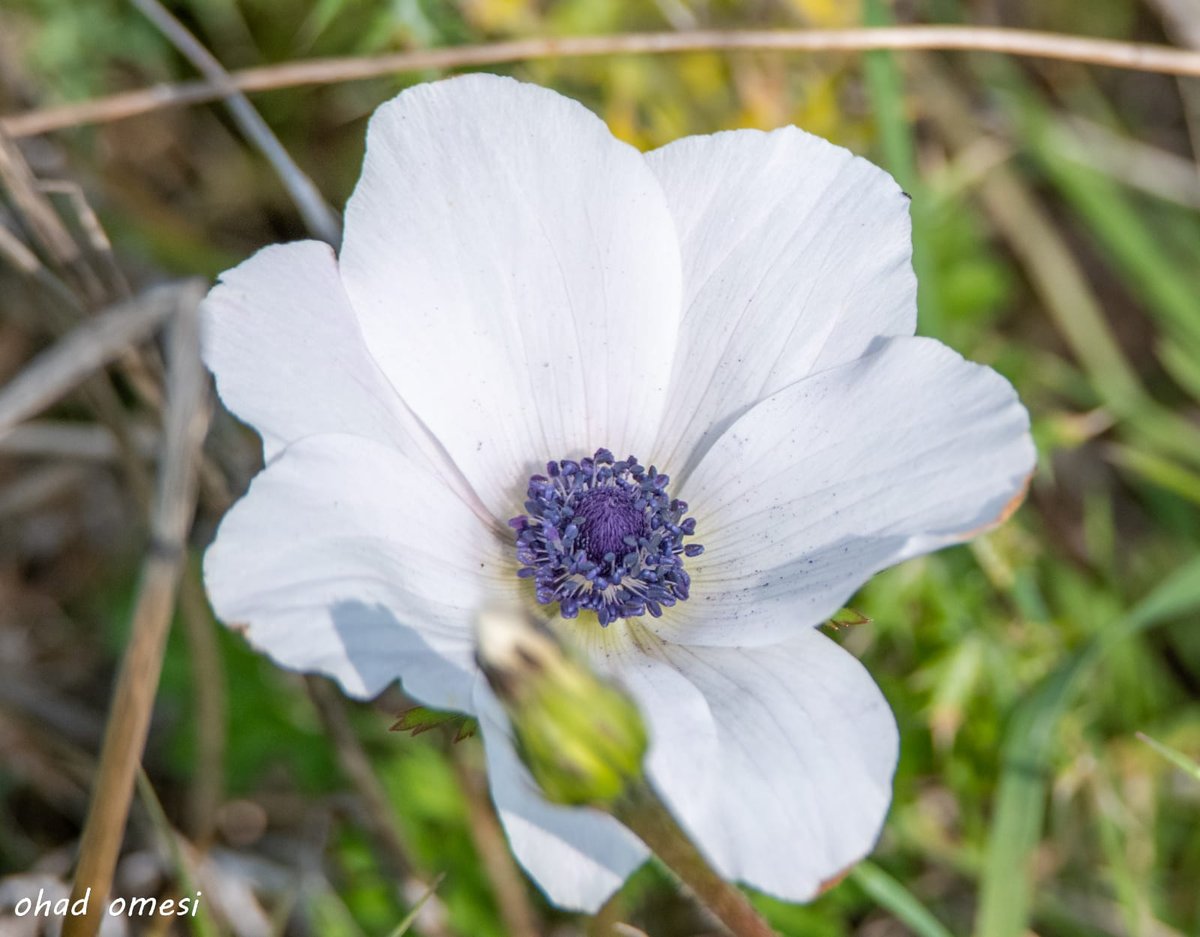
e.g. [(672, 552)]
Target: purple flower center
[(606, 516), (604, 535)]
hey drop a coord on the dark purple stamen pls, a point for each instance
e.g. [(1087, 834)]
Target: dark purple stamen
[(604, 535)]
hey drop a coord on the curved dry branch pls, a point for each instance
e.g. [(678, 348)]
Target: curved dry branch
[(1105, 52)]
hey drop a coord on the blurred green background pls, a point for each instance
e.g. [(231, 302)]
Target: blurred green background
[(1057, 225)]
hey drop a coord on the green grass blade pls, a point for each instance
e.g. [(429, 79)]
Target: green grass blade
[(1160, 471), (898, 900), (201, 924), (1006, 897), (1127, 891), (1176, 757), (409, 919), (1183, 364), (885, 87), (1168, 291)]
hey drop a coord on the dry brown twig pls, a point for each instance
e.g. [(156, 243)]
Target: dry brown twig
[(185, 423), (1106, 52)]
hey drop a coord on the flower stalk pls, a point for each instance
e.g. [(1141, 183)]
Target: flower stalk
[(642, 810)]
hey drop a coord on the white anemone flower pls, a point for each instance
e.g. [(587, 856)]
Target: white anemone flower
[(449, 411)]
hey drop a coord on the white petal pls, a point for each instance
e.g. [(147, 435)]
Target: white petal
[(516, 273), (348, 558), (577, 856), (814, 490), (796, 254), (808, 747), (287, 353)]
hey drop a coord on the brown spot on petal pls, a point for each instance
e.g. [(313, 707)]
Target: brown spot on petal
[(241, 627), (835, 880), (1009, 509)]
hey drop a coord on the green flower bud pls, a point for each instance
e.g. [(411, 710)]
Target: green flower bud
[(582, 739)]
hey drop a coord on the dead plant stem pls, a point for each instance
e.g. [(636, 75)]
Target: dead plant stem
[(185, 421), (1105, 52)]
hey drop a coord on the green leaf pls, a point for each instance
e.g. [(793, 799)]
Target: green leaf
[(847, 618), (420, 719)]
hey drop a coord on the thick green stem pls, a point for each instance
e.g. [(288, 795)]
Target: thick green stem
[(644, 813)]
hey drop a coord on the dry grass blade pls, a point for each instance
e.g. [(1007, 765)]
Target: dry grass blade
[(18, 255), (89, 347), (86, 442), (185, 423), (319, 217), (1139, 165), (1183, 16), (1110, 53), (13, 249), (45, 227), (31, 491), (93, 230)]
